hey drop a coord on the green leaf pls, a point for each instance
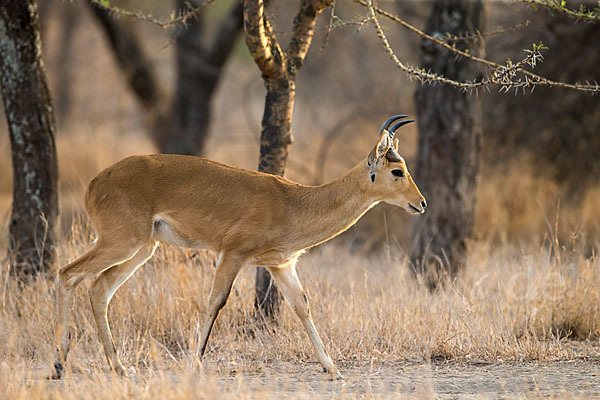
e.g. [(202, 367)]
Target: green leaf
[(540, 46)]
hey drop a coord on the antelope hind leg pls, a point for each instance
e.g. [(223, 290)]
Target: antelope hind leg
[(102, 292), (92, 263)]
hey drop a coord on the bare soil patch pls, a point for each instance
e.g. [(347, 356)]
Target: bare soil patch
[(577, 379), (449, 381)]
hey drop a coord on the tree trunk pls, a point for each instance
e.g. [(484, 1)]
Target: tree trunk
[(276, 134), (190, 109), (275, 141), (182, 127), (132, 60), (449, 145), (198, 73), (199, 68), (278, 70), (30, 116)]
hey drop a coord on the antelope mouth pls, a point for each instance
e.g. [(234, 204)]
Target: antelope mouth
[(415, 209)]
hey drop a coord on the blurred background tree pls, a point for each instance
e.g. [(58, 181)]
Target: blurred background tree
[(31, 125), (181, 127), (449, 142), (558, 128)]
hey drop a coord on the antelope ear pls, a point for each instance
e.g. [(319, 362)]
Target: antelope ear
[(382, 147), (396, 144), (378, 152)]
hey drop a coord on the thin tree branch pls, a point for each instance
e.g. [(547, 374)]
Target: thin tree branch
[(329, 137), (304, 27), (418, 73), (560, 6), (530, 79), (260, 39), (161, 22), (479, 35)]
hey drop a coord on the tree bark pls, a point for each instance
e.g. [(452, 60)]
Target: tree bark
[(30, 116), (278, 70), (182, 127), (275, 142), (449, 145)]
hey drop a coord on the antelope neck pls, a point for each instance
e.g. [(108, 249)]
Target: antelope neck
[(332, 208)]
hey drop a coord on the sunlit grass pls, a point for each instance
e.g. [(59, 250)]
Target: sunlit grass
[(510, 305), (529, 294)]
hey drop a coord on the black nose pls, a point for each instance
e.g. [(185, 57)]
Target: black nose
[(424, 204)]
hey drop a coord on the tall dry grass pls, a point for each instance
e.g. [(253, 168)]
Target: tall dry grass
[(528, 294), (510, 305)]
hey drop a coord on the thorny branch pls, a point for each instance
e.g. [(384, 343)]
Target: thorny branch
[(508, 76), (414, 72), (164, 23), (337, 22), (561, 6), (479, 35)]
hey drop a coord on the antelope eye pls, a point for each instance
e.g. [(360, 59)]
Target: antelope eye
[(398, 172)]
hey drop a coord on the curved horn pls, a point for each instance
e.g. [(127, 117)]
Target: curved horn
[(387, 123), (392, 130)]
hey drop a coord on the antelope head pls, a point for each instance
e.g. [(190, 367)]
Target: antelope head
[(389, 178)]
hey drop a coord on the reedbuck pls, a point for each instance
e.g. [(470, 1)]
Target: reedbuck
[(248, 217)]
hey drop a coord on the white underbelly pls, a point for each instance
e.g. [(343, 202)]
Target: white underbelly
[(163, 232)]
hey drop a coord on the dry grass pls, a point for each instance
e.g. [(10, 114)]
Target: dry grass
[(526, 305), (528, 295), (520, 202)]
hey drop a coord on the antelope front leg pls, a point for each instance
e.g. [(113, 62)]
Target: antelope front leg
[(287, 280)]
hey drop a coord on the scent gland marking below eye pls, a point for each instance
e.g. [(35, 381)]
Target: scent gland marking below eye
[(398, 172)]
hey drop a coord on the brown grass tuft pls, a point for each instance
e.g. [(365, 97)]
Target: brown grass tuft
[(509, 305)]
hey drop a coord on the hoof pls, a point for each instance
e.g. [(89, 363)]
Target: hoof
[(59, 372), (335, 374), (54, 377)]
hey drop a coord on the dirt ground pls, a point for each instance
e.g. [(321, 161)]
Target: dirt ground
[(580, 379), (451, 381)]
